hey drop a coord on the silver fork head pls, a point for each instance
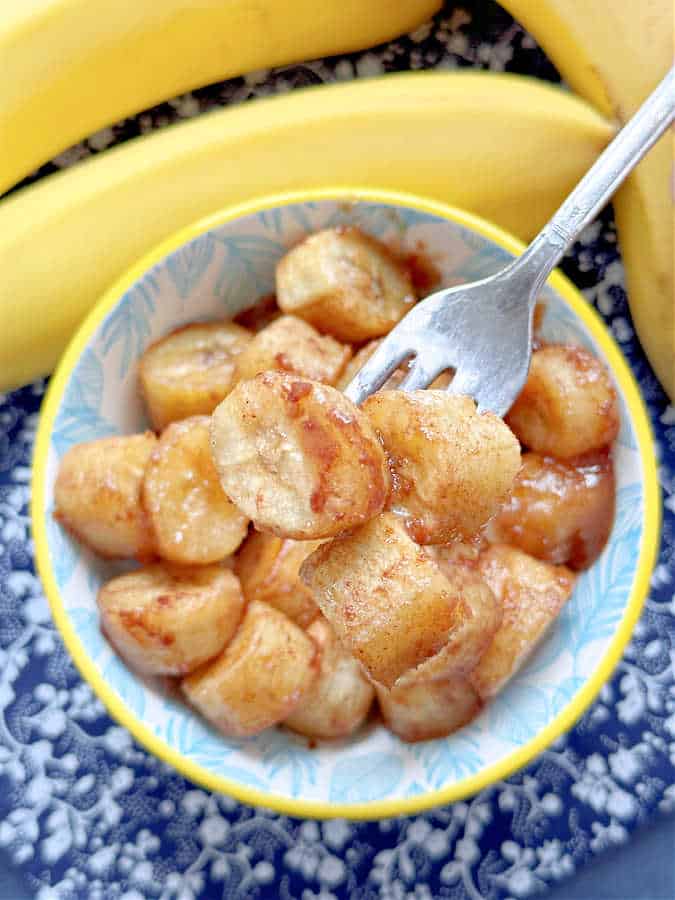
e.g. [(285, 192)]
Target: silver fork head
[(483, 330)]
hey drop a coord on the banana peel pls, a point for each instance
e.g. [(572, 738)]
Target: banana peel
[(478, 140), (70, 67), (614, 53)]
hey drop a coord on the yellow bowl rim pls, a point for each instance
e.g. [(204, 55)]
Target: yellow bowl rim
[(379, 808)]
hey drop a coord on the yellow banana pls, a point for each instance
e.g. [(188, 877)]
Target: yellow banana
[(479, 140), (613, 53), (71, 66)]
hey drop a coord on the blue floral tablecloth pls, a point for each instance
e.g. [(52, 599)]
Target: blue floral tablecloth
[(86, 813)]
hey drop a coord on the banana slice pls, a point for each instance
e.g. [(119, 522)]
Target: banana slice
[(192, 518), (429, 709), (338, 701), (268, 568), (568, 405), (298, 457), (188, 372), (97, 495), (393, 608), (261, 676), (560, 511), (532, 594), (290, 345), (451, 466), (167, 620), (346, 283)]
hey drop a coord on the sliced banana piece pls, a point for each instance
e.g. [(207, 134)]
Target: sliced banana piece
[(389, 602), (560, 511), (166, 619), (338, 702), (269, 570), (261, 676), (532, 593), (97, 495), (346, 283), (188, 372), (298, 457), (291, 345), (568, 405), (452, 467), (193, 520), (429, 709)]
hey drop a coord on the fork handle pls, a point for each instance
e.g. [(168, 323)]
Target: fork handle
[(597, 186)]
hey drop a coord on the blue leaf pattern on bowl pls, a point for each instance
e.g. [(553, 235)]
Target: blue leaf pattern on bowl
[(358, 779), (128, 325), (521, 712), (187, 265)]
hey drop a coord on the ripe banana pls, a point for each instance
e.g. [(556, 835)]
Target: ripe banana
[(506, 147), (71, 66), (613, 53)]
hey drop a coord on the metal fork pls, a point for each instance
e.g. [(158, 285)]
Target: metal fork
[(483, 330)]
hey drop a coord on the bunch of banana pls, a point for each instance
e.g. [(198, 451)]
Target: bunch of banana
[(613, 53), (71, 66), (473, 139)]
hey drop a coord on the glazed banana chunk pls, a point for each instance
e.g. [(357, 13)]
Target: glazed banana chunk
[(291, 345), (269, 570), (166, 619), (428, 709), (389, 603), (532, 594), (298, 457), (477, 617), (560, 511), (97, 495), (260, 677), (188, 372), (338, 701), (192, 518), (568, 405), (344, 282), (451, 466)]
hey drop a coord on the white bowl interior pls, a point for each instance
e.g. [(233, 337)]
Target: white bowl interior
[(214, 276)]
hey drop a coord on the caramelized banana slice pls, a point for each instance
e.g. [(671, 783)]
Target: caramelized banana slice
[(291, 345), (428, 709), (298, 457), (477, 616), (532, 594), (97, 495), (451, 466), (346, 283), (559, 511), (393, 608), (338, 701), (268, 568), (192, 518), (568, 405), (188, 372), (167, 619), (260, 678)]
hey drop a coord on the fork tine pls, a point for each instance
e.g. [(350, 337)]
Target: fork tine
[(464, 382), (386, 359), (421, 374)]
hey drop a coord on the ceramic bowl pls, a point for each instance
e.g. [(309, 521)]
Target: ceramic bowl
[(214, 269)]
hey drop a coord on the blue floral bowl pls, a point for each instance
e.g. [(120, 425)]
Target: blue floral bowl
[(215, 269)]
